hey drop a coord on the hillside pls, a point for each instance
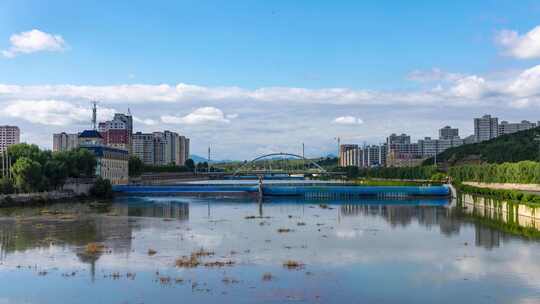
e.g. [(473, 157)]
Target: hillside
[(507, 148)]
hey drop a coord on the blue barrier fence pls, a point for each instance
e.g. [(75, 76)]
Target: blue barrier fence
[(310, 191)]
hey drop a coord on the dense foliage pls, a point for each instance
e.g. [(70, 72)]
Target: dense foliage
[(35, 170), (136, 166), (514, 147), (102, 188), (189, 166), (525, 172), (327, 162), (420, 172), (166, 168)]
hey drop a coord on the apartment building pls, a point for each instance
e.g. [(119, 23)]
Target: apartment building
[(9, 135), (65, 141)]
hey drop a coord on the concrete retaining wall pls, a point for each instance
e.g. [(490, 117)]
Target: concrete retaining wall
[(509, 213)]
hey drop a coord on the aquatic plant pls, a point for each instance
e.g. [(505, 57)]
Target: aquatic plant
[(187, 262), (291, 264), (267, 276), (94, 248)]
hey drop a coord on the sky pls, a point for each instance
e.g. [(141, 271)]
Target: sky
[(254, 77)]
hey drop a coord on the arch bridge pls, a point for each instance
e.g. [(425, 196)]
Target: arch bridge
[(280, 163)]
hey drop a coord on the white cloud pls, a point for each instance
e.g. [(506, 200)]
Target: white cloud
[(34, 41), (435, 74), (145, 121), (52, 112), (199, 116), (525, 46), (472, 87), (348, 120), (527, 83)]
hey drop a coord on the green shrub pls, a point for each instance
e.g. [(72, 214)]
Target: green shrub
[(102, 188)]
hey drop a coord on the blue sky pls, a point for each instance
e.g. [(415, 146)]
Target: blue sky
[(405, 66)]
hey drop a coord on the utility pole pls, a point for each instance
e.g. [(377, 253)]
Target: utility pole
[(94, 115), (208, 167), (303, 157)]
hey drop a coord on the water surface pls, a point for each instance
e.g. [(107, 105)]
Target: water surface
[(358, 251)]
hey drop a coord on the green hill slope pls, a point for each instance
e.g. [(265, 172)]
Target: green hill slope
[(507, 148)]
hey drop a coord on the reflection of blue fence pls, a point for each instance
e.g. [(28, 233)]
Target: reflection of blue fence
[(352, 191), (326, 191), (265, 177)]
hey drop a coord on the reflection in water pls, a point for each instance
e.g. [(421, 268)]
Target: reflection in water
[(347, 247), (403, 215), (171, 209)]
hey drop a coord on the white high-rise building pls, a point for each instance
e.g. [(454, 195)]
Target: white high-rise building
[(486, 128), (9, 135), (143, 147), (65, 141), (508, 128), (161, 148)]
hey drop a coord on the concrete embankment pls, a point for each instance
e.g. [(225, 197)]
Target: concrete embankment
[(26, 199), (73, 189), (507, 212)]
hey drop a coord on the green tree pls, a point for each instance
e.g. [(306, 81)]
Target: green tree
[(6, 186), (136, 166), (190, 164), (27, 174), (29, 151), (102, 188), (55, 173), (201, 167), (86, 162)]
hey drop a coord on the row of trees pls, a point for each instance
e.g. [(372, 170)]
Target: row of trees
[(525, 172), (420, 172), (137, 167), (34, 170)]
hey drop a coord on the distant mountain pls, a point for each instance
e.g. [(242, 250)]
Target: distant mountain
[(513, 147), (200, 159)]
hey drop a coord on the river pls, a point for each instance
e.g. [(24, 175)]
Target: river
[(287, 249)]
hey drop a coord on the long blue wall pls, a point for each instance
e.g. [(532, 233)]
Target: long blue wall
[(288, 190)]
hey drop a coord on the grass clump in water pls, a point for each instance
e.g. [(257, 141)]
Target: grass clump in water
[(292, 264), (187, 262), (284, 230), (151, 252), (267, 277), (94, 248)]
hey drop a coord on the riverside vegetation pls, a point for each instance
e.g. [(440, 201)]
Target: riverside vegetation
[(34, 170)]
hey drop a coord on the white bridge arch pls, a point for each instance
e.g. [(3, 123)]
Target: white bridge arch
[(308, 165)]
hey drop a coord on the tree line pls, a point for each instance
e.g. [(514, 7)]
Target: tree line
[(419, 172), (515, 147), (524, 172), (35, 170), (137, 167)]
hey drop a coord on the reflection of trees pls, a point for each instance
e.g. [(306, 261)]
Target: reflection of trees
[(176, 210), (400, 215), (74, 230)]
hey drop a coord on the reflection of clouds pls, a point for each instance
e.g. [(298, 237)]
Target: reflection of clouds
[(363, 238), (348, 234)]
